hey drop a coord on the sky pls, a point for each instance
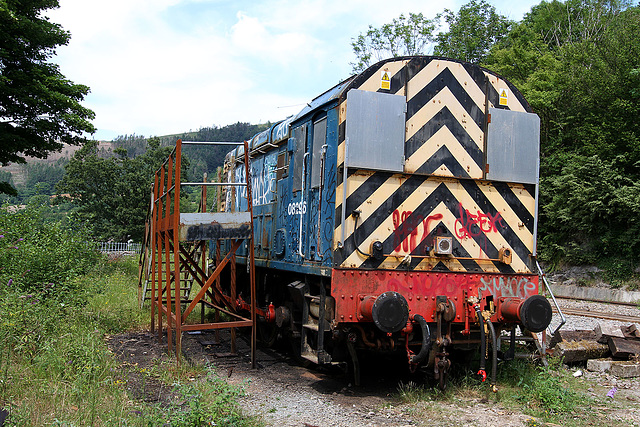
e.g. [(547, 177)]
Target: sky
[(160, 67)]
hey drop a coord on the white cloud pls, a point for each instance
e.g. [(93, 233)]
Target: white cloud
[(166, 66)]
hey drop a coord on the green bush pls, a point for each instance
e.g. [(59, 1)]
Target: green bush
[(588, 214), (545, 391), (42, 259)]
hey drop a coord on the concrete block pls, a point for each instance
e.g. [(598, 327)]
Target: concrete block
[(596, 294), (599, 365), (619, 368), (604, 331), (625, 370)]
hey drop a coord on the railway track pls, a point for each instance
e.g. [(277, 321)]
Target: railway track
[(598, 315)]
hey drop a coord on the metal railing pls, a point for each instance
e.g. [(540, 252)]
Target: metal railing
[(107, 247)]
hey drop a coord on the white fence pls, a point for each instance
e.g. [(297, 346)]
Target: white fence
[(118, 247)]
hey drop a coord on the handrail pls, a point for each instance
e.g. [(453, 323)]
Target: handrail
[(302, 202), (343, 219), (544, 278), (216, 184), (211, 143)]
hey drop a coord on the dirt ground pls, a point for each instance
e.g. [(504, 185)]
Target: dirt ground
[(283, 393)]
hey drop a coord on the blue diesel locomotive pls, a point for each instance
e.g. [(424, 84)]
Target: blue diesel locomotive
[(397, 212)]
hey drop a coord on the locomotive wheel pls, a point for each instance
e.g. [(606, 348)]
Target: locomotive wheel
[(267, 333)]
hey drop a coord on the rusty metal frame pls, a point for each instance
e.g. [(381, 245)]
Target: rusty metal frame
[(171, 260)]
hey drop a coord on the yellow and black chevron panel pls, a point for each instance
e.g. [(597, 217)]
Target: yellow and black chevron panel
[(442, 190), (407, 213)]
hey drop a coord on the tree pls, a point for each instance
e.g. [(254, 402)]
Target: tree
[(113, 193), (573, 21), (472, 31), (577, 64), (403, 36), (39, 108)]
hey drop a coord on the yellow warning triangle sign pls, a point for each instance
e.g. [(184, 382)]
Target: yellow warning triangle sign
[(504, 97), (385, 81)]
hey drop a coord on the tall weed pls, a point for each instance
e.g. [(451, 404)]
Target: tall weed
[(545, 390), (39, 258), (58, 300)]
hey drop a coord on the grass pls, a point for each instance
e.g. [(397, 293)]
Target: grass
[(550, 396), (56, 369)]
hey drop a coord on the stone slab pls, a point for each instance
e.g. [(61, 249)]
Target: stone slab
[(595, 294), (599, 365), (604, 331), (619, 368), (625, 370)]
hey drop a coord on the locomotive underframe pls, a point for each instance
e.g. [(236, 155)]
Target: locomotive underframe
[(327, 319)]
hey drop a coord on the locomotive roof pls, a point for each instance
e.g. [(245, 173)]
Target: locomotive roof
[(281, 130)]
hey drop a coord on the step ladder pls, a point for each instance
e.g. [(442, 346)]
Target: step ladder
[(315, 326), (186, 280)]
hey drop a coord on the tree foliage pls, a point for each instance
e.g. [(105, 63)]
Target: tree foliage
[(577, 64), (38, 257), (403, 36), (113, 193), (472, 31), (39, 108)]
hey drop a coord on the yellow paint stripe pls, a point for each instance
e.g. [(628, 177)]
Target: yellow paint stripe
[(445, 99), (434, 68), (498, 83), (469, 245), (386, 227), (372, 84), (443, 137), (354, 182), (509, 215), (528, 200)]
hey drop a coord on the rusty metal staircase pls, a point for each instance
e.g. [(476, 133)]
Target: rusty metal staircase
[(177, 258), (145, 266)]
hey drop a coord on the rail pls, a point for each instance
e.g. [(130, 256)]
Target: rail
[(601, 315)]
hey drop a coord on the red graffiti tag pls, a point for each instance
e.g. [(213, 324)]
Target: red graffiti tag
[(405, 233), (470, 225)]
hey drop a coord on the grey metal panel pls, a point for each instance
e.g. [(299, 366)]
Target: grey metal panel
[(319, 139), (513, 146), (300, 141), (214, 225), (375, 130)]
